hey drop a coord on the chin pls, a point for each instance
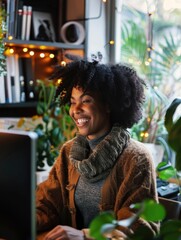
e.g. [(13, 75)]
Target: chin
[(83, 133)]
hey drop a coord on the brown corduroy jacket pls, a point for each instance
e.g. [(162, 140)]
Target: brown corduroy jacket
[(131, 180)]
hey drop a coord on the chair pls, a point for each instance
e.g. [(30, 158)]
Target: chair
[(172, 207)]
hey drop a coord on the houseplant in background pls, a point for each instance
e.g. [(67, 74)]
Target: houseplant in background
[(52, 125), (159, 66), (173, 126)]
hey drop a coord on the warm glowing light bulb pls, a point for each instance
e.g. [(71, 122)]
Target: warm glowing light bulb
[(51, 55), (59, 81), (148, 119), (146, 134), (111, 42), (10, 37), (142, 134), (63, 63), (25, 49), (104, 0), (11, 50), (42, 55), (149, 60), (31, 53), (31, 82)]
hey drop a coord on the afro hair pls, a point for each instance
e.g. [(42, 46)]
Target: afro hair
[(117, 85)]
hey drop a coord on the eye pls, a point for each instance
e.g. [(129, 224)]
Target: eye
[(86, 100), (72, 103)]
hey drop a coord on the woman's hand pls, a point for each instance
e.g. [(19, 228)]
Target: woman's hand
[(64, 233)]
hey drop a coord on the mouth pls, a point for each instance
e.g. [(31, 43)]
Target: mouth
[(80, 122)]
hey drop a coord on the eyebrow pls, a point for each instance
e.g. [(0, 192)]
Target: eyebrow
[(84, 94)]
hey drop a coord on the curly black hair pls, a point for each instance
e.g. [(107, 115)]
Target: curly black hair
[(117, 85)]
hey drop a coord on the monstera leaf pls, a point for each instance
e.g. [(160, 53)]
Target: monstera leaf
[(174, 130)]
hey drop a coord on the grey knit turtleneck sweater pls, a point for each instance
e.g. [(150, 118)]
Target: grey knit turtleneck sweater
[(88, 193)]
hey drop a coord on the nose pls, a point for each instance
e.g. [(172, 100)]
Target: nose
[(77, 108)]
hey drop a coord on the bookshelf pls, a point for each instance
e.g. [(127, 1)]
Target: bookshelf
[(45, 53), (26, 109)]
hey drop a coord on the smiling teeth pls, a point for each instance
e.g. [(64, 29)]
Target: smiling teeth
[(82, 120)]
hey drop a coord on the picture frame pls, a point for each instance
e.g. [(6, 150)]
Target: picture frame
[(43, 27)]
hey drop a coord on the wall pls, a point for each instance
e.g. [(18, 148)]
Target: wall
[(96, 28)]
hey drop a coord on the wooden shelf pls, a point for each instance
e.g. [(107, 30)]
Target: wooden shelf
[(41, 44), (27, 109), (41, 67)]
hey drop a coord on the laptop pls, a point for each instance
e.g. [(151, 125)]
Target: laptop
[(17, 185)]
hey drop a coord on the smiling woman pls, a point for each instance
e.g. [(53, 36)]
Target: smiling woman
[(90, 115), (101, 168)]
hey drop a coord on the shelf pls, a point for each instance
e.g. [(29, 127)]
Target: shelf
[(43, 45), (27, 109)]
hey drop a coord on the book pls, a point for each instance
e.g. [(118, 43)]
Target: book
[(19, 17), (11, 28), (24, 19), (13, 86), (29, 78), (6, 89), (8, 66), (19, 23), (16, 77), (2, 89), (28, 22), (13, 90), (21, 80)]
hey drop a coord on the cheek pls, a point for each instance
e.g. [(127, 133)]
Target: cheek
[(70, 112)]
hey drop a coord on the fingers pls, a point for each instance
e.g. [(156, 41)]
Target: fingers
[(116, 235), (57, 233)]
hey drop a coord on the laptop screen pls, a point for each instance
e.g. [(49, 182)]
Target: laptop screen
[(17, 185)]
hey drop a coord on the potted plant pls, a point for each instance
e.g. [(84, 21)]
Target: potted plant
[(173, 126), (52, 125)]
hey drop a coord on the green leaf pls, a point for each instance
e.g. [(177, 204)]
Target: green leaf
[(46, 118), (151, 210), (56, 132), (171, 230), (170, 112), (41, 108), (98, 222), (165, 171)]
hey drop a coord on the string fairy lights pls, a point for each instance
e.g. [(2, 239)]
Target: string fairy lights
[(25, 52), (151, 9)]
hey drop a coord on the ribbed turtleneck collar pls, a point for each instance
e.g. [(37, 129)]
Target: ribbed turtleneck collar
[(95, 165)]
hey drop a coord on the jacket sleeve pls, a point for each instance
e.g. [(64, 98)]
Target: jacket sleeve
[(51, 196), (138, 183)]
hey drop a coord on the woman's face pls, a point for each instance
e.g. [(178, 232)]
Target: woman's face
[(91, 117)]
